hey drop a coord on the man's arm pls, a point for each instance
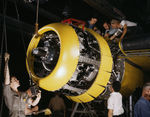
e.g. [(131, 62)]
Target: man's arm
[(110, 113), (6, 70), (124, 31), (106, 35), (7, 92), (36, 101), (112, 37), (116, 34), (30, 111)]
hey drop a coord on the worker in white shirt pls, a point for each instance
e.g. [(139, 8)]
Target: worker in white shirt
[(114, 103), (123, 27)]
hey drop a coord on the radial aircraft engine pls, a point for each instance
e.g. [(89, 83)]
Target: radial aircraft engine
[(79, 63)]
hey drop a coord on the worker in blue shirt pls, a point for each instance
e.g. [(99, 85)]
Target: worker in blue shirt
[(142, 107)]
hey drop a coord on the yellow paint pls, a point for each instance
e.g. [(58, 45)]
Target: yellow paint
[(133, 78), (142, 61), (67, 61)]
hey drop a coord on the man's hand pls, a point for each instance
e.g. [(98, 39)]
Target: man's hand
[(6, 70), (39, 94), (7, 56), (36, 108)]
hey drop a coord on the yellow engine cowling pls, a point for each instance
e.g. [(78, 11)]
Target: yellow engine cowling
[(76, 63)]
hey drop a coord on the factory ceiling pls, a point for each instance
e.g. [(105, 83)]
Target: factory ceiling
[(56, 10)]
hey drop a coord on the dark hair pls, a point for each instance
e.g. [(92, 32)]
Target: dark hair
[(106, 22), (146, 85), (116, 86), (94, 15), (16, 75), (114, 21)]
